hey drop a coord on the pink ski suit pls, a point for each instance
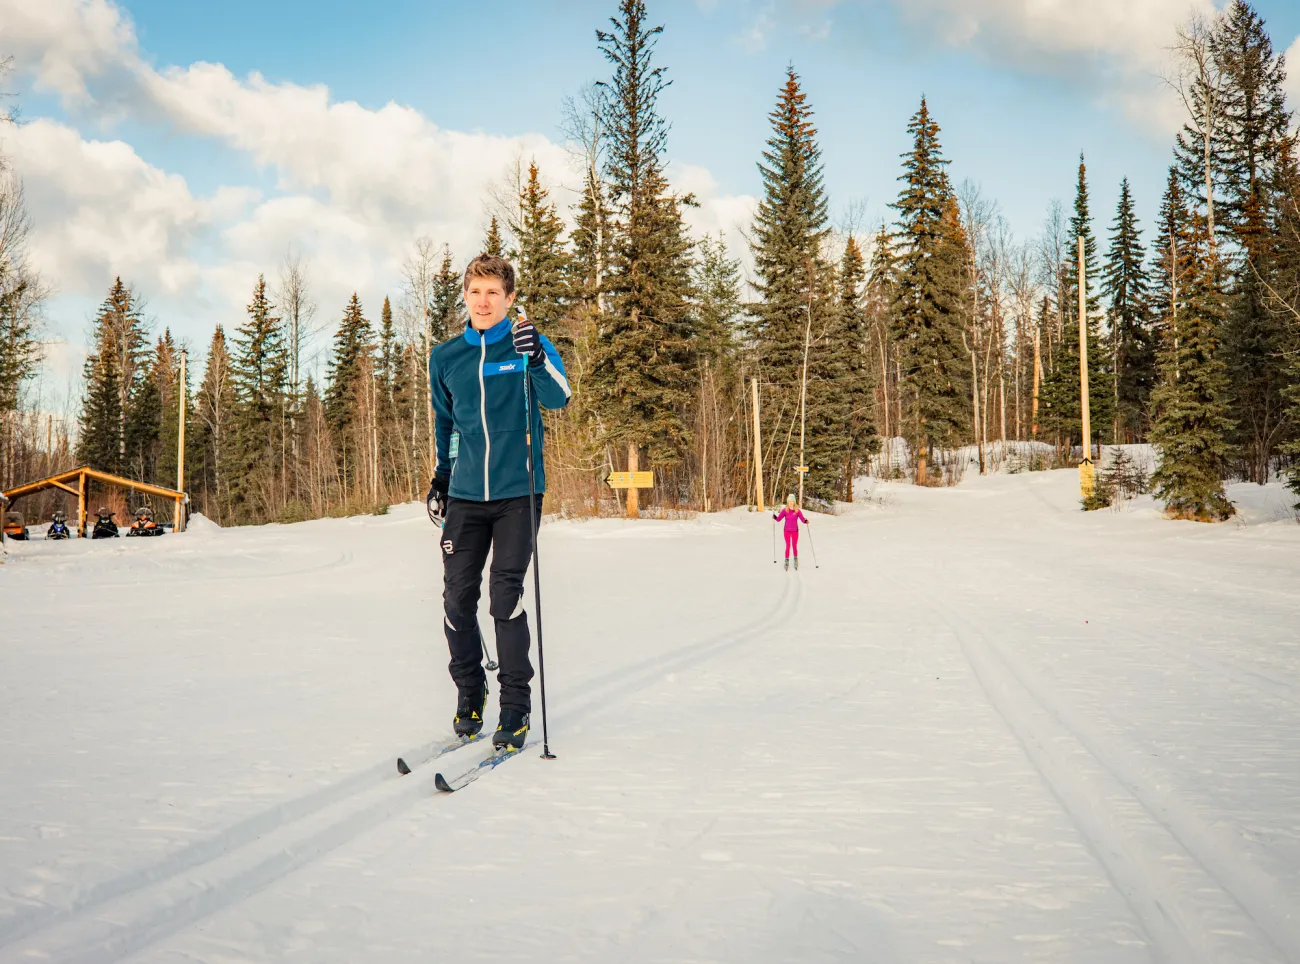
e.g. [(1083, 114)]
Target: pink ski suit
[(792, 519)]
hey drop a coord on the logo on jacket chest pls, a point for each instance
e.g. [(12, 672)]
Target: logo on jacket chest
[(503, 367)]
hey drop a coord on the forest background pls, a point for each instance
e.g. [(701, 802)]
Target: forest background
[(934, 324)]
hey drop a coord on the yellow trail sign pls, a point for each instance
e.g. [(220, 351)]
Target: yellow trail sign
[(631, 480)]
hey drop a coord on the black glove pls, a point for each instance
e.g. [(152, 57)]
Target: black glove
[(436, 500), (527, 341)]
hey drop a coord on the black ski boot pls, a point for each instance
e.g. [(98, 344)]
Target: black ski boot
[(469, 711), (512, 730)]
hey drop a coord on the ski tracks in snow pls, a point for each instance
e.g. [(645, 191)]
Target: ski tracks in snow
[(1184, 878), (119, 917)]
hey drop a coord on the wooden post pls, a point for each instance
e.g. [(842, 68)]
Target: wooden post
[(178, 520), (1086, 478), (1038, 380), (803, 396), (633, 502), (81, 505), (758, 449)]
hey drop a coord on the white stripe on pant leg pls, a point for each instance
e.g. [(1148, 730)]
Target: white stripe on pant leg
[(447, 620), (519, 609)]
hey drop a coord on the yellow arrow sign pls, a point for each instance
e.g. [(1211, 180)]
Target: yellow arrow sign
[(801, 469), (631, 480)]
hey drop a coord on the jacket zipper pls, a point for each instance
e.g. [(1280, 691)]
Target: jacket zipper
[(482, 398)]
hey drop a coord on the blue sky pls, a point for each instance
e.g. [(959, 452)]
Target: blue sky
[(189, 180)]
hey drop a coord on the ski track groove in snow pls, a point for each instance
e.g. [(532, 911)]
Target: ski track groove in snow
[(1136, 849), (204, 889)]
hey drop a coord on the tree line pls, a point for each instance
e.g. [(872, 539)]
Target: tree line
[(937, 326)]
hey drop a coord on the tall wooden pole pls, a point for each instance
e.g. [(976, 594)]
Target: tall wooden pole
[(178, 522), (758, 448), (803, 398), (1085, 467), (633, 465)]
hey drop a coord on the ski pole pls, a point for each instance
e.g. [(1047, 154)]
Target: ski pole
[(811, 545), (774, 542), (532, 519), (491, 663)]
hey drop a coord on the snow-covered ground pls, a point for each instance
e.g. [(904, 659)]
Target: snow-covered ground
[(988, 727)]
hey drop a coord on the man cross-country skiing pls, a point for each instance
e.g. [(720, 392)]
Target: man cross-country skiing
[(480, 487)]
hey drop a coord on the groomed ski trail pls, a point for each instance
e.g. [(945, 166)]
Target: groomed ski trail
[(211, 875)]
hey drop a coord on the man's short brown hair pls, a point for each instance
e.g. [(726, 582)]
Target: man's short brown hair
[(492, 266)]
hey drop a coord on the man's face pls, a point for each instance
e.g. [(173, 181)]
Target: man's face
[(487, 302)]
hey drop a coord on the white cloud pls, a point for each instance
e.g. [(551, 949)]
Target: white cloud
[(1293, 75), (354, 186), (754, 37), (100, 210), (1118, 47)]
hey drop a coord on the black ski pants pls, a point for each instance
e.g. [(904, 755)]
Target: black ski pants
[(470, 530)]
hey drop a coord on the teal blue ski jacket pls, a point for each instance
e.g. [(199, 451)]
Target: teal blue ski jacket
[(477, 384)]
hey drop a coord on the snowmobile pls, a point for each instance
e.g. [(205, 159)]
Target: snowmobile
[(144, 524), (105, 527), (58, 527), (14, 526)]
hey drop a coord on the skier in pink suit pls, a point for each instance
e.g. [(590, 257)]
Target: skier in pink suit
[(792, 516)]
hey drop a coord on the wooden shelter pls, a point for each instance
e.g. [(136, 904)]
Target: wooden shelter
[(77, 482)]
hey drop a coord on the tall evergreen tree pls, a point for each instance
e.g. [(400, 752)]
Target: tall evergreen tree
[(591, 239), (444, 309), (855, 386), (260, 371), (389, 350), (795, 285), (1126, 287), (929, 293), (1249, 144), (492, 244), (541, 259), (353, 342), (644, 372), (213, 408), (101, 410), (1062, 407), (1191, 422), (718, 308)]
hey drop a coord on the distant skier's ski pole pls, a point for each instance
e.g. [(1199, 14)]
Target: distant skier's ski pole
[(774, 542), (537, 574), (810, 543)]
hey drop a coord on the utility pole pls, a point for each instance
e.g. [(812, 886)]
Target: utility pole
[(803, 398), (1086, 479), (178, 523), (758, 448)]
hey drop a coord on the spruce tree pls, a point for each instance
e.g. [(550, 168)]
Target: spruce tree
[(541, 261), (1249, 147), (353, 342), (389, 350), (1191, 421), (797, 301), (1126, 288), (444, 309), (718, 308), (855, 386), (260, 370), (1061, 394), (20, 349), (492, 244), (644, 374), (591, 240), (101, 412), (213, 408), (929, 298)]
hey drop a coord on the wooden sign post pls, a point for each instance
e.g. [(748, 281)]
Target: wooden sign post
[(631, 480)]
